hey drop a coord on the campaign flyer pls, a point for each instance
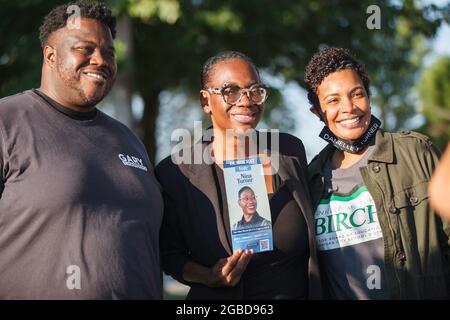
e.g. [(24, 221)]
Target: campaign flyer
[(248, 205)]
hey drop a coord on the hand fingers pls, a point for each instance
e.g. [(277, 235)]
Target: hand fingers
[(231, 262), (216, 278), (228, 271), (240, 266), (218, 267)]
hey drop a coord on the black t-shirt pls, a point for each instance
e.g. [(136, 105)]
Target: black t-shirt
[(76, 115), (283, 272), (80, 207)]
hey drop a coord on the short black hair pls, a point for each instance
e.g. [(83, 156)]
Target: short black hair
[(328, 61), (243, 189), (57, 18), (220, 57)]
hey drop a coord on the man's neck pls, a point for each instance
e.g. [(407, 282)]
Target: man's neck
[(53, 94), (76, 115)]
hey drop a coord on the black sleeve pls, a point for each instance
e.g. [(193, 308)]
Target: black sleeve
[(302, 159), (294, 146), (174, 253)]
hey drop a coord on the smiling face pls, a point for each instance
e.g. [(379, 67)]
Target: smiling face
[(247, 202), (81, 65), (344, 104), (244, 114)]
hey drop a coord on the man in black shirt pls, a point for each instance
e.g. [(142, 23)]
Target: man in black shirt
[(80, 208)]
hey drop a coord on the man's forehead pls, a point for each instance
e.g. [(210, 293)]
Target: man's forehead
[(86, 30)]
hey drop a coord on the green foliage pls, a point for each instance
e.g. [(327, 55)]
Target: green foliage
[(166, 10), (121, 48), (434, 93), (398, 59), (170, 39), (223, 19), (20, 53)]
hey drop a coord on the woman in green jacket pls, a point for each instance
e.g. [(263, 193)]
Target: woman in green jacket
[(376, 234)]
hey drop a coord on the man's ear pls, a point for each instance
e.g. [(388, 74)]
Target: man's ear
[(49, 55), (204, 101)]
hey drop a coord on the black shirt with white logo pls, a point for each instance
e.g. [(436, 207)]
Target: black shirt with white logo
[(76, 222)]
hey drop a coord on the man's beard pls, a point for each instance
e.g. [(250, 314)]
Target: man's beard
[(76, 92), (80, 95), (85, 101)]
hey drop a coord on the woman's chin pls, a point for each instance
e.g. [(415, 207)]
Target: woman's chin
[(242, 129), (349, 135)]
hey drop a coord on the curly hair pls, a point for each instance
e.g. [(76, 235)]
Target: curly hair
[(327, 61), (57, 18), (220, 57)]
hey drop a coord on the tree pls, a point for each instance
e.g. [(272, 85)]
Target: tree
[(20, 54), (170, 40), (280, 36), (434, 93)]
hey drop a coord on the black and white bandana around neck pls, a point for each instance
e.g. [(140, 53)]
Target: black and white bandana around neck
[(352, 146)]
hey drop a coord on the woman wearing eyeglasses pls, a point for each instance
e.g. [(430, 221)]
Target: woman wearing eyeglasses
[(377, 236), (196, 233), (247, 201)]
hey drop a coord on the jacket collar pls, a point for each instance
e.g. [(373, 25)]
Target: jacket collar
[(201, 176), (316, 165), (384, 150), (255, 219)]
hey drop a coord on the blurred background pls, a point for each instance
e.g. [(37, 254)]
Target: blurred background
[(162, 44)]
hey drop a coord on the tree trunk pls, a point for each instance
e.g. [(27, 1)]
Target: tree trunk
[(123, 88), (148, 122)]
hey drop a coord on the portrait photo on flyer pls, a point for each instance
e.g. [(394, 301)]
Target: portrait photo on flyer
[(250, 218)]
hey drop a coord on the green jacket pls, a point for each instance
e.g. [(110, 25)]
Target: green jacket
[(416, 241)]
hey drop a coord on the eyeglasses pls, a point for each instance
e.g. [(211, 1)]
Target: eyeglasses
[(247, 199), (257, 94)]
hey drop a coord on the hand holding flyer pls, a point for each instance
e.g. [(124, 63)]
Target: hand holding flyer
[(248, 205)]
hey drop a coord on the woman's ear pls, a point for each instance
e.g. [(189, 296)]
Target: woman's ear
[(316, 111), (204, 101)]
